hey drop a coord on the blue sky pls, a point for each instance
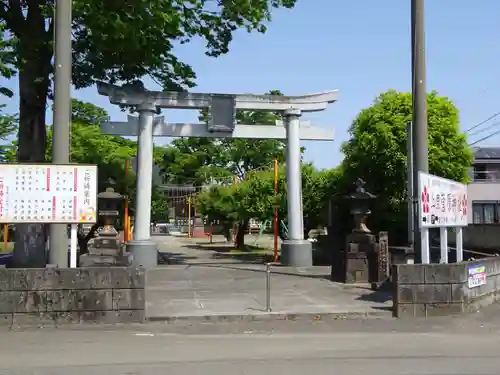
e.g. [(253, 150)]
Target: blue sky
[(360, 47)]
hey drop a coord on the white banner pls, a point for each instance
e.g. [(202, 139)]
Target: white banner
[(48, 193), (442, 202)]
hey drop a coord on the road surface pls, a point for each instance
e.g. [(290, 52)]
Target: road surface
[(381, 347)]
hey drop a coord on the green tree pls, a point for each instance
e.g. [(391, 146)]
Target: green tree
[(254, 198), (113, 42), (8, 127), (376, 152), (159, 205), (87, 113), (238, 203)]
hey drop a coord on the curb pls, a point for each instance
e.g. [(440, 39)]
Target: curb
[(270, 317)]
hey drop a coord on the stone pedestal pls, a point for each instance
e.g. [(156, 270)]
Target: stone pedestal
[(105, 250), (360, 249), (363, 260)]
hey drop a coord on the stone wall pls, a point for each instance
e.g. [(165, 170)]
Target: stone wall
[(422, 290), (58, 296)]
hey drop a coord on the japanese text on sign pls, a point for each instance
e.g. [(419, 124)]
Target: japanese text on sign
[(442, 202), (48, 193)]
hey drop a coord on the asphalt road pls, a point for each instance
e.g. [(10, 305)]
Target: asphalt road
[(458, 346)]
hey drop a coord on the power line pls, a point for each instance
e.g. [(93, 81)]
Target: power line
[(485, 138), (483, 122), (495, 124)]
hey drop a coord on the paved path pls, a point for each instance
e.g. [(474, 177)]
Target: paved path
[(344, 347), (203, 291), (201, 286)]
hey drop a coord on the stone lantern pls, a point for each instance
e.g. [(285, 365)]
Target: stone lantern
[(105, 248), (360, 207), (358, 261), (109, 203)]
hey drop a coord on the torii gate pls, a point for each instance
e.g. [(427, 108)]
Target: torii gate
[(222, 124)]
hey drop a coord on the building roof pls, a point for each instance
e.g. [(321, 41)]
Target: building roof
[(487, 153)]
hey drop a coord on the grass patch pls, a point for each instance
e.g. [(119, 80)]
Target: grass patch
[(8, 249)]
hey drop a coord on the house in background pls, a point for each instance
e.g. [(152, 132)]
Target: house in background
[(484, 188)]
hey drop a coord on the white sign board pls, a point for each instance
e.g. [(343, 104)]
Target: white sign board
[(48, 193), (476, 276), (442, 202)]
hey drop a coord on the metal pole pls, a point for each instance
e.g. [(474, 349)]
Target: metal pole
[(295, 251), (143, 249), (62, 118), (268, 287), (409, 174), (125, 208), (275, 216), (189, 217), (419, 112)]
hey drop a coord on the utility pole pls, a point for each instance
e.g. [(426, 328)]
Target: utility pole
[(419, 111), (61, 118), (409, 183)]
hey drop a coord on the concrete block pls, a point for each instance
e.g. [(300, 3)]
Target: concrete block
[(128, 278), (5, 320), (76, 278), (408, 274), (458, 292), (66, 317), (112, 317), (101, 278), (438, 293), (471, 294), (33, 319), (128, 299), (34, 279), (29, 302), (445, 273), (443, 309), (492, 265), (6, 302), (409, 310), (79, 300), (5, 279)]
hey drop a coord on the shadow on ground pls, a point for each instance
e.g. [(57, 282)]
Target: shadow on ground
[(173, 258), (378, 296)]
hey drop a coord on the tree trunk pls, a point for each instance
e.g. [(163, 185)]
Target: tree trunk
[(240, 236), (84, 239), (36, 54)]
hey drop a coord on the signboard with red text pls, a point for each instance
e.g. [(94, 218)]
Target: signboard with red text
[(48, 193), (442, 202)]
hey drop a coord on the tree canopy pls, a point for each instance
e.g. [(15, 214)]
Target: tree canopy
[(114, 42), (254, 197), (376, 151)]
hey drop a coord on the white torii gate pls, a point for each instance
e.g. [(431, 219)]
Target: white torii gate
[(221, 124)]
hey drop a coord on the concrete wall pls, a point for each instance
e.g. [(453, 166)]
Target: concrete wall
[(478, 237), (423, 290), (58, 296)]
